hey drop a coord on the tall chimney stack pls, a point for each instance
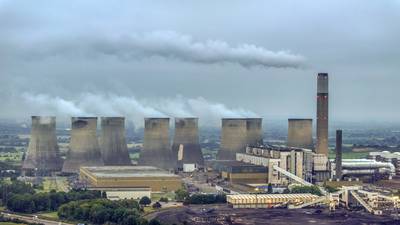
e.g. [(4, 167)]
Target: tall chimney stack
[(338, 160), (84, 148), (322, 114), (156, 146), (43, 156), (300, 133), (114, 150), (187, 138), (254, 131)]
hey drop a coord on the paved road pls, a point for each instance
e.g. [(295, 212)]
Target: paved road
[(31, 219)]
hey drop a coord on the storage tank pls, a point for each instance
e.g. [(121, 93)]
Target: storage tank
[(300, 133), (43, 156), (84, 148), (186, 139), (114, 150), (156, 146)]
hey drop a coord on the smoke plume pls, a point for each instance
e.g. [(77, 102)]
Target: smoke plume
[(166, 44), (90, 104)]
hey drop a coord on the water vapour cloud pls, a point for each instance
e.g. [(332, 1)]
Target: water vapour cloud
[(169, 45), (90, 104)]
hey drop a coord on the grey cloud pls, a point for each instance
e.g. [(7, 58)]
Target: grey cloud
[(165, 44)]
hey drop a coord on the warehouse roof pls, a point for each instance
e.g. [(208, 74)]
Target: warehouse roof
[(127, 171)]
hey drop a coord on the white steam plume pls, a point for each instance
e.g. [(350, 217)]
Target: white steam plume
[(168, 44), (90, 104)]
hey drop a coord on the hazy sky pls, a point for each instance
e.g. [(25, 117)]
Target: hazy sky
[(199, 58)]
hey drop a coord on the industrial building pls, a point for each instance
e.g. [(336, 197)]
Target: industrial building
[(186, 147), (300, 133), (300, 162), (84, 149), (322, 114), (237, 134), (268, 200), (156, 146), (130, 178), (239, 172), (114, 150), (43, 156), (386, 156)]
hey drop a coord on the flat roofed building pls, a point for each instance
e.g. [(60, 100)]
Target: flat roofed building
[(158, 180), (267, 200)]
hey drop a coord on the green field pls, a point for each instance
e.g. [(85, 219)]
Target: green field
[(350, 155), (55, 183), (49, 215), (156, 196)]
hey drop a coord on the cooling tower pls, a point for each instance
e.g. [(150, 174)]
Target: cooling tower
[(114, 150), (300, 133), (84, 149), (322, 114), (187, 138), (254, 131), (43, 155), (233, 138), (156, 146)]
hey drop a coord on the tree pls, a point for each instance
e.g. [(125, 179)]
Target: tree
[(164, 199), (156, 205), (270, 189), (181, 195), (145, 201)]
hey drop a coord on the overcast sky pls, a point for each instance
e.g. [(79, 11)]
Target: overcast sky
[(199, 58)]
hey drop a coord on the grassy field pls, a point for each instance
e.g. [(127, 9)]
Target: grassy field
[(134, 156), (55, 183), (11, 156), (350, 155), (49, 215), (156, 196)]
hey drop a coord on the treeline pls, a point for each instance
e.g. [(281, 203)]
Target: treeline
[(104, 211), (19, 196), (50, 201), (205, 199)]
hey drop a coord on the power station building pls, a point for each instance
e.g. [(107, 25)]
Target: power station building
[(236, 134), (114, 150), (186, 147), (156, 146), (300, 133), (43, 156), (322, 114), (129, 178), (84, 149)]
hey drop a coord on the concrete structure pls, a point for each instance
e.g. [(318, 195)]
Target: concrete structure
[(268, 200), (254, 131), (237, 134), (290, 159), (156, 146), (240, 172), (117, 177), (300, 133), (386, 156), (186, 140), (125, 193), (114, 150), (322, 114), (43, 156), (338, 160), (84, 148)]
